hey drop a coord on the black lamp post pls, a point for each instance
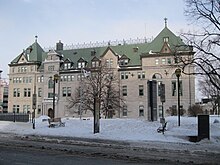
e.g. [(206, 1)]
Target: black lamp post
[(178, 74), (55, 79)]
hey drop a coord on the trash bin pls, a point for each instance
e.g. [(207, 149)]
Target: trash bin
[(203, 127)]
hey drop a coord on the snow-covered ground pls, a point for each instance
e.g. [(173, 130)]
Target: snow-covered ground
[(117, 129)]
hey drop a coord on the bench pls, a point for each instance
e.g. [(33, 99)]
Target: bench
[(162, 128), (56, 122)]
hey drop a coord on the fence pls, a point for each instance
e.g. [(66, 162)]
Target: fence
[(20, 117)]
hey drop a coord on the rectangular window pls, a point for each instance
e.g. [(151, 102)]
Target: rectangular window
[(165, 39), (27, 92), (68, 78), (40, 79), (68, 91), (160, 111), (159, 87), (72, 77), (169, 61), (124, 90), (157, 61), (65, 66), (24, 108), (111, 63), (51, 68), (124, 110), (107, 63), (81, 64), (122, 75), (64, 91), (39, 109), (16, 92), (163, 61), (50, 95), (173, 88), (141, 110), (141, 90), (141, 75), (16, 108), (93, 64), (80, 77), (39, 92)]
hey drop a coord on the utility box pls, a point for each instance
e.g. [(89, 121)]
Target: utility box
[(203, 127)]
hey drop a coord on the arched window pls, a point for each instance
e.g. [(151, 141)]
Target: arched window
[(157, 76), (174, 85), (50, 83)]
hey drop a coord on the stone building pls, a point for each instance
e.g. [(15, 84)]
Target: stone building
[(3, 94), (141, 66)]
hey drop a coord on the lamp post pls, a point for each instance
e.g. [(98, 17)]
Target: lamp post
[(55, 79), (178, 74)]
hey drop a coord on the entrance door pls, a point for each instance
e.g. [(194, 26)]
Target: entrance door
[(51, 113)]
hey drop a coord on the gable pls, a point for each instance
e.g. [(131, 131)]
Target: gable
[(22, 59), (165, 48)]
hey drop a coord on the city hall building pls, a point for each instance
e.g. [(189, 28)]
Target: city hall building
[(142, 66)]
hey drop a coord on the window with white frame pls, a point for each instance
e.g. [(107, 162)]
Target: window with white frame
[(81, 64), (141, 90), (124, 75), (124, 90), (141, 75), (141, 110), (157, 61), (16, 108), (163, 61), (124, 110)]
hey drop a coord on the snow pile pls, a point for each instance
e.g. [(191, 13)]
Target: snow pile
[(117, 129)]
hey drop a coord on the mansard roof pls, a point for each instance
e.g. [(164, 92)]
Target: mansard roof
[(33, 53), (131, 51), (175, 42)]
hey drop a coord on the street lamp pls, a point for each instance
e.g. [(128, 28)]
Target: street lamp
[(178, 74), (55, 79)]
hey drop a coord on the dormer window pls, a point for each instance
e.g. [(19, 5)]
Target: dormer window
[(95, 64), (81, 64), (67, 65), (135, 50), (124, 60), (165, 39), (93, 52)]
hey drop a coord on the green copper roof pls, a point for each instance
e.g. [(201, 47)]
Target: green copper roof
[(174, 41), (33, 53), (132, 51)]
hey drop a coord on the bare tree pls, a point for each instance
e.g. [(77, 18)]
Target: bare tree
[(101, 82), (205, 41)]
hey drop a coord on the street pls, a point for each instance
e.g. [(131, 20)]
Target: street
[(23, 156), (44, 150)]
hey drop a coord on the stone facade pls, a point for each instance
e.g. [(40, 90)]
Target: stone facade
[(136, 64)]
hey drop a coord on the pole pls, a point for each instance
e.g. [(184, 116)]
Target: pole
[(53, 98), (178, 99), (162, 111)]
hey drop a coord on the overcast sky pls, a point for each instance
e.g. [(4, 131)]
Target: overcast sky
[(79, 21)]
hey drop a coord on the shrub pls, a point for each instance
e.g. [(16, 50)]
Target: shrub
[(172, 111), (195, 110)]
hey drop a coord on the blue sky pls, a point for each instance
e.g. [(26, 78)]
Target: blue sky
[(79, 21)]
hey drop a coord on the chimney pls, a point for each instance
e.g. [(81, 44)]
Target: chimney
[(1, 74), (59, 46)]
